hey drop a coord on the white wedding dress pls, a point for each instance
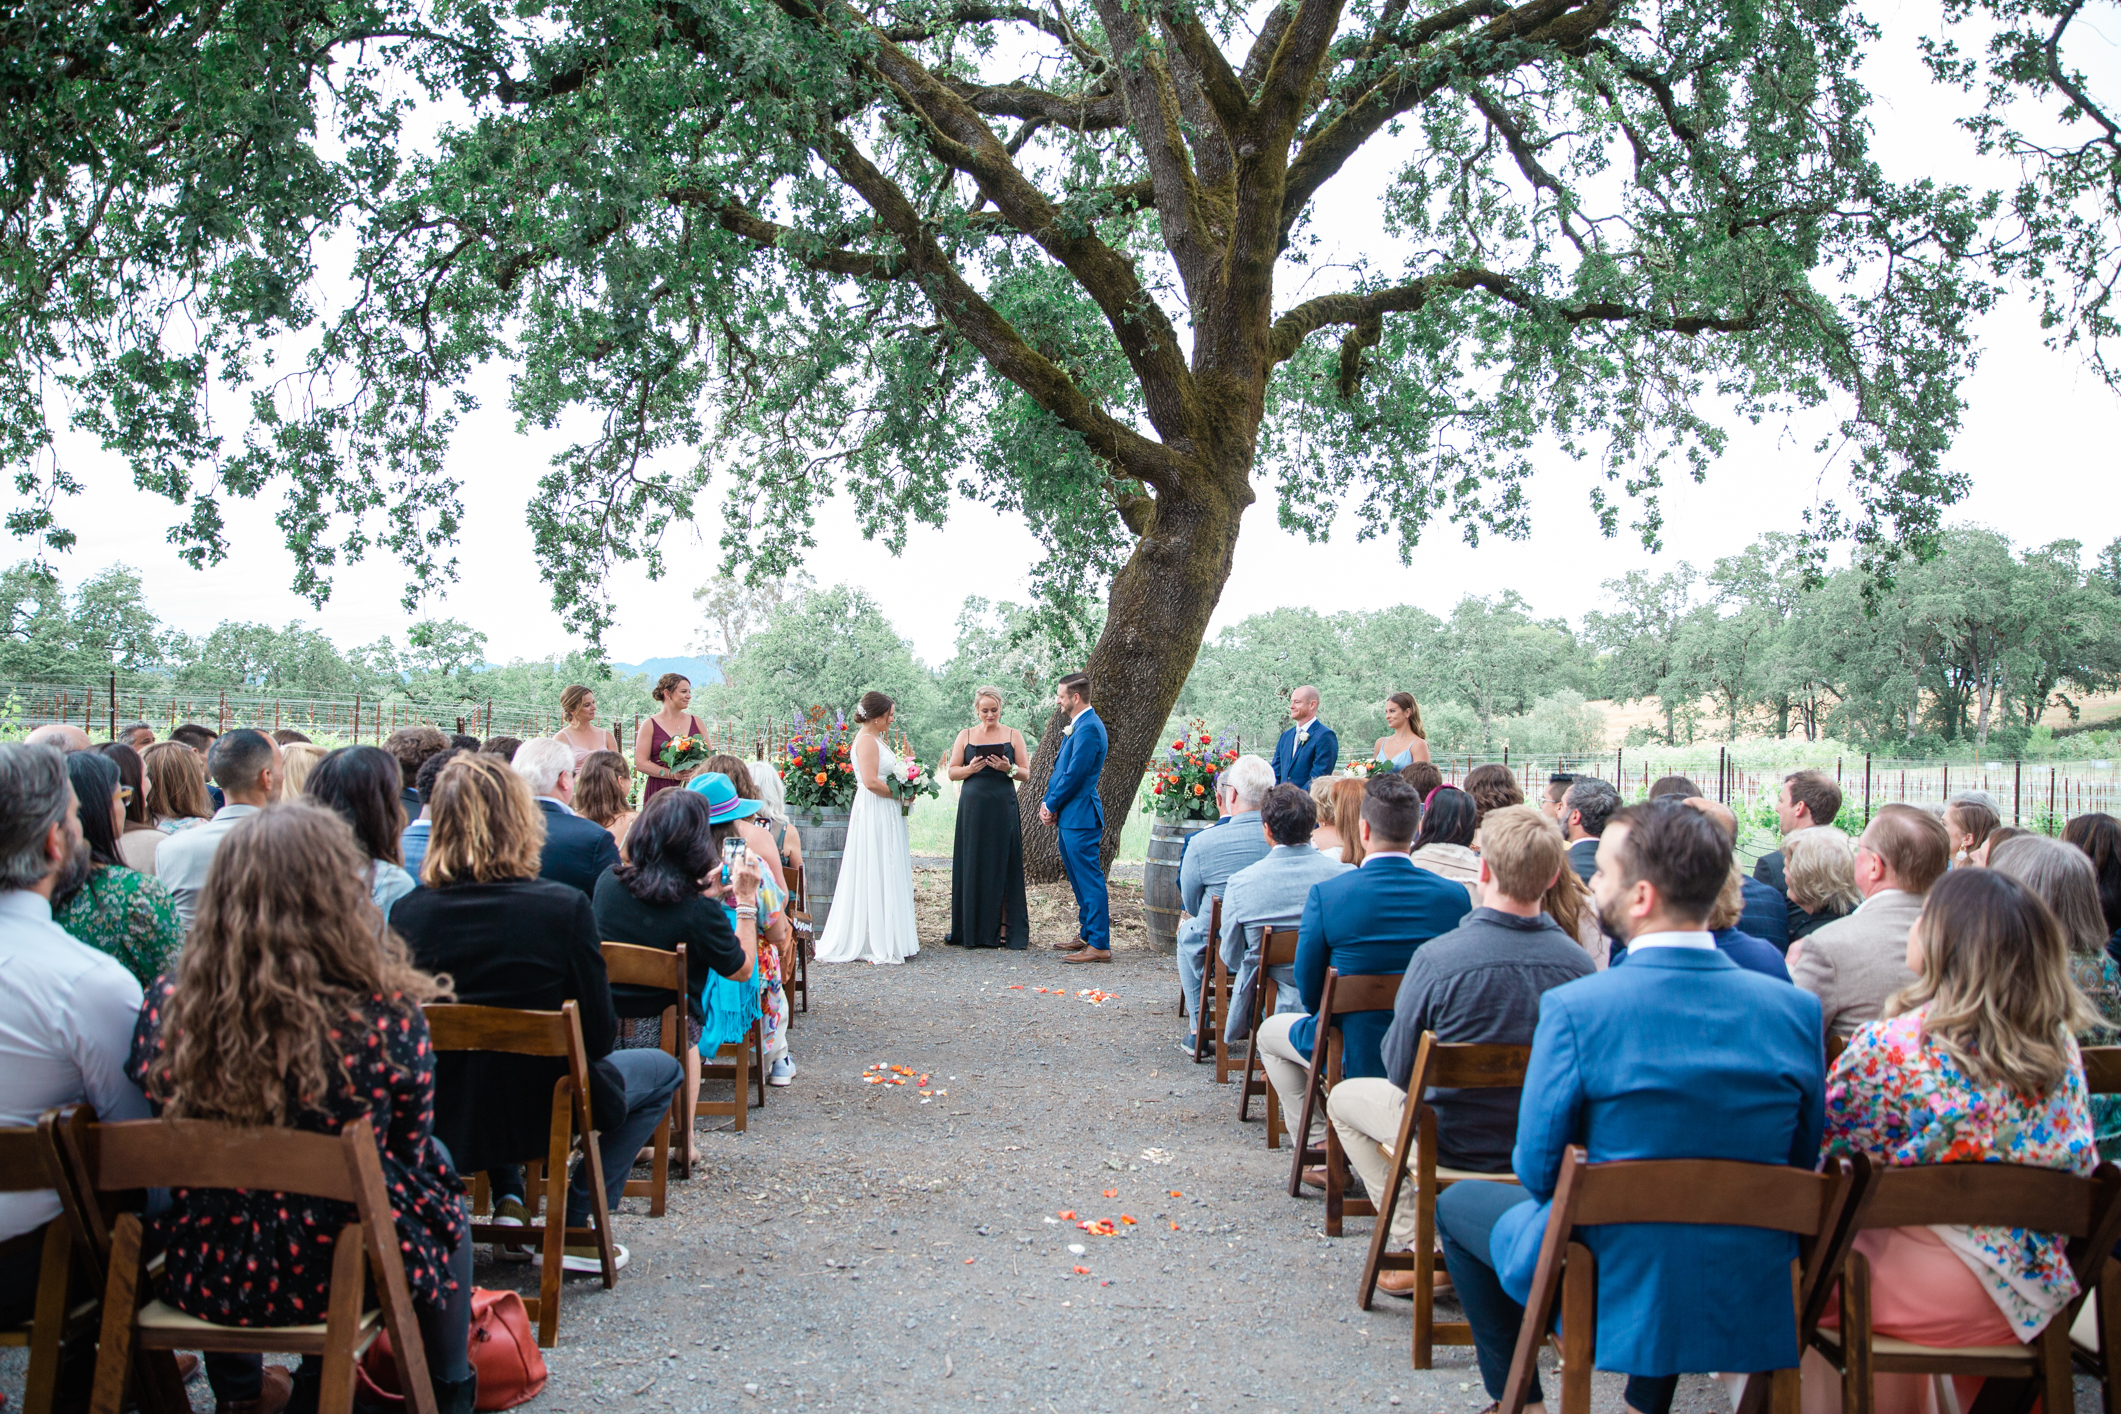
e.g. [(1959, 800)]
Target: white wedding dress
[(872, 902)]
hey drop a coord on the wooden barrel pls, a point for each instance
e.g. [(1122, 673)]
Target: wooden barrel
[(824, 837), (1160, 902)]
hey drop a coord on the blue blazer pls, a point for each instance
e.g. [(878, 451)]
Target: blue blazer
[(1766, 915), (1681, 1054), (1299, 765), (577, 849), (1071, 791), (1367, 923)]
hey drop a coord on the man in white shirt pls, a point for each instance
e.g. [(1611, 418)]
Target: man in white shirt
[(246, 765), (66, 1010)]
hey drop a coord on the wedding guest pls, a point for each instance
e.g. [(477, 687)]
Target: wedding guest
[(297, 760), (730, 817), (1326, 837), (97, 899), (247, 764), (1268, 892), (412, 845), (1996, 836), (1764, 913), (1569, 903), (1816, 867), (1478, 984), (1445, 844), (773, 814), (672, 719), (360, 783), (1364, 923), (508, 938), (988, 906), (288, 736), (459, 741), (602, 793), (576, 850), (1406, 743), (1557, 791), (287, 953), (2099, 836), (66, 1013), (1308, 748), (1348, 794), (1809, 799), (578, 728), (1606, 1074), (412, 746), (1975, 1062), (1584, 811), (176, 787), (502, 746), (1214, 856), (1673, 785), (750, 826), (1423, 776), (201, 740), (1854, 964), (1727, 926), (1968, 819), (138, 838), (137, 735), (1492, 787), (62, 735)]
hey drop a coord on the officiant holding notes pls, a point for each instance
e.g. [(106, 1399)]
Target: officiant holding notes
[(1308, 749), (987, 904)]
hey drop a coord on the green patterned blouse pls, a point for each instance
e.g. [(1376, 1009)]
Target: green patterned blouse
[(2101, 982), (127, 914)]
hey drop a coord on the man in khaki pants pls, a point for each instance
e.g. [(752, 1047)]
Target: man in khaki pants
[(1479, 983)]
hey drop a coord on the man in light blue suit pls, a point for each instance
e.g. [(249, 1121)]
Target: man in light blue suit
[(1206, 867), (1072, 805), (1308, 749), (1681, 1054), (1269, 893)]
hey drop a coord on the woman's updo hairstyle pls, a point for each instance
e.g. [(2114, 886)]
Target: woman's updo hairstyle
[(664, 685), (571, 698), (981, 694), (872, 706)]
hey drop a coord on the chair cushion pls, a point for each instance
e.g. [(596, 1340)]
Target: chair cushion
[(161, 1316), (2084, 1331), (1889, 1345)]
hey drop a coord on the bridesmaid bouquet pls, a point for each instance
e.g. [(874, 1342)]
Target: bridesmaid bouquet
[(909, 783), (683, 752)]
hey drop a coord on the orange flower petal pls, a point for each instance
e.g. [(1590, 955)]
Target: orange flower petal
[(1111, 1192), (1067, 1215), (1082, 1271), (1127, 1220)]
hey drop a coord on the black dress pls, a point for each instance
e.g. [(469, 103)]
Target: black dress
[(987, 864)]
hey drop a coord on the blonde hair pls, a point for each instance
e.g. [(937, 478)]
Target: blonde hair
[(1322, 797), (1347, 807), (1819, 866), (297, 760), (1730, 903), (483, 827), (603, 787), (573, 697), (176, 780), (980, 694), (1523, 850)]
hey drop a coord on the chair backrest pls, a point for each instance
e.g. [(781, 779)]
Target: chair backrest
[(1343, 995), (1467, 1066), (199, 1153), (24, 1163), (798, 892), (1977, 1195), (1277, 947), (628, 964), (1719, 1191), (454, 1027), (2102, 1069)]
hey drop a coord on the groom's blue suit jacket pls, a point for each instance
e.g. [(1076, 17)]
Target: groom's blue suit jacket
[(1071, 791)]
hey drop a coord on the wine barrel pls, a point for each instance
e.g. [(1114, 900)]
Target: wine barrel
[(824, 836), (1160, 902)]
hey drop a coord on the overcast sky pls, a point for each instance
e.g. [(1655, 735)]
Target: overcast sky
[(2042, 441)]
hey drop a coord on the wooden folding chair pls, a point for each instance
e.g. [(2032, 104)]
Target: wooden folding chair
[(1816, 1207), (741, 1063), (1341, 996), (549, 1034), (1214, 997), (629, 965), (2097, 1329), (1277, 948), (798, 986), (165, 1153), (30, 1162), (1436, 1066)]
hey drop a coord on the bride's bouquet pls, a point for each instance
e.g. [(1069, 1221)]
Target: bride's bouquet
[(909, 782)]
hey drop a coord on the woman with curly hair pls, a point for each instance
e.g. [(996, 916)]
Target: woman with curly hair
[(295, 1007)]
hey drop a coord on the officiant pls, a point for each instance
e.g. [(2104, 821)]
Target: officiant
[(1308, 749), (987, 902)]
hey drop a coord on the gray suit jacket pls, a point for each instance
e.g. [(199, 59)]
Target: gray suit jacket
[(1212, 856), (1852, 965), (1270, 891)]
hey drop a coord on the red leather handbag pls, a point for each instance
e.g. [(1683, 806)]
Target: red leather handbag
[(504, 1355)]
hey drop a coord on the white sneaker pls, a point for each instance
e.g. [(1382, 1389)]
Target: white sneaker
[(584, 1260), (783, 1071)]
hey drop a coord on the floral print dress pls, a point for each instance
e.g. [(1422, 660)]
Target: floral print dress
[(129, 915), (1900, 1099), (247, 1258)]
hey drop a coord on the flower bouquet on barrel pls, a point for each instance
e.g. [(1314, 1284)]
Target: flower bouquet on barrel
[(817, 763), (909, 781), (682, 753), (1182, 785)]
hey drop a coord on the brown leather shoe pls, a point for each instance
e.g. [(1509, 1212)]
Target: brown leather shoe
[(1089, 954), (1315, 1177), (1072, 945), (272, 1398), (1401, 1284)]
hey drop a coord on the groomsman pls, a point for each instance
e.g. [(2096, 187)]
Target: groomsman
[(1072, 804), (1308, 749)]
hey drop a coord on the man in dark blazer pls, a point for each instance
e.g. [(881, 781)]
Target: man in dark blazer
[(1364, 923), (1584, 811), (1308, 749), (577, 850), (1073, 807)]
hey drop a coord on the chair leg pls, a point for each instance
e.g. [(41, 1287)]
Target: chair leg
[(40, 1385), (342, 1324), (1424, 1277), (758, 1057), (552, 1196), (1579, 1329), (1336, 1182), (2051, 1347), (1856, 1335), (1222, 1014), (2107, 1296), (121, 1305)]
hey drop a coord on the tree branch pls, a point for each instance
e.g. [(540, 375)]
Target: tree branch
[(1102, 111), (1225, 95), (805, 248), (1152, 103)]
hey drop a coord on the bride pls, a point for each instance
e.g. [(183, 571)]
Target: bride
[(872, 904)]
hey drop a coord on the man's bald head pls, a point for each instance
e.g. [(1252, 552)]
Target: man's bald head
[(1303, 703), (60, 735)]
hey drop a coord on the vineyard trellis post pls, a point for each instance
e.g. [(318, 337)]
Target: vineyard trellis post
[(113, 706), (1866, 784), (2017, 782)]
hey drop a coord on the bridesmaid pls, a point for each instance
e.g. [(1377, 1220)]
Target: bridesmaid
[(987, 907), (1406, 744), (672, 720), (578, 705)]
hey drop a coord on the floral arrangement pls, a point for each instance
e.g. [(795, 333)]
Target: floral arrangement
[(681, 753), (909, 782), (1182, 784), (817, 762)]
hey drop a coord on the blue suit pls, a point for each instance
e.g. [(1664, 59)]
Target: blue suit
[(577, 850), (1071, 794), (1766, 915), (1679, 1054), (1742, 948), (1300, 765), (1367, 923)]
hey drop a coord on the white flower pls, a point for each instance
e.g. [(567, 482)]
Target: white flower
[(1068, 730), (1303, 734)]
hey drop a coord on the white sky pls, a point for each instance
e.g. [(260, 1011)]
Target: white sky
[(2039, 439)]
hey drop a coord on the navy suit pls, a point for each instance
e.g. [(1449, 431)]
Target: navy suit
[(1300, 765), (1071, 794), (577, 849), (1367, 923), (1766, 915)]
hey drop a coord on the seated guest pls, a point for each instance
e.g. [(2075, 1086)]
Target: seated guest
[(508, 938), (247, 764), (137, 735), (1681, 1054), (411, 746), (601, 791), (1328, 838), (1763, 913), (1968, 819), (1816, 868), (1557, 791), (61, 735), (1854, 964), (1673, 785), (1974, 1063), (288, 954), (1212, 857), (659, 898), (97, 899), (1997, 836), (1492, 787), (733, 818), (1569, 903), (138, 839), (288, 736), (176, 787), (1743, 905), (504, 747), (1365, 923), (1480, 984), (201, 741), (750, 826), (297, 760), (361, 784), (1809, 799), (576, 850), (458, 741), (412, 845), (2099, 836), (1268, 891), (66, 1012), (773, 814), (1423, 776), (1584, 811), (1445, 845)]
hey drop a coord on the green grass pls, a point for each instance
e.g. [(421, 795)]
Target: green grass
[(933, 828)]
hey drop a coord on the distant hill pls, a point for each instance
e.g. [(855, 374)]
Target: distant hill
[(700, 670)]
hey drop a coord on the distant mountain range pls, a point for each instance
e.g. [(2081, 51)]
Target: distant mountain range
[(699, 670)]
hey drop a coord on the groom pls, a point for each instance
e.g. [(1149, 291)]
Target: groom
[(1071, 802)]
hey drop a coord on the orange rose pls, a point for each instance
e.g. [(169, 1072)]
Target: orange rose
[(1200, 790), (821, 778), (1205, 738), (1179, 745)]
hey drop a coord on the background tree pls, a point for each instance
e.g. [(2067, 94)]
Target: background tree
[(1640, 638), (826, 648), (1022, 650), (734, 609)]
